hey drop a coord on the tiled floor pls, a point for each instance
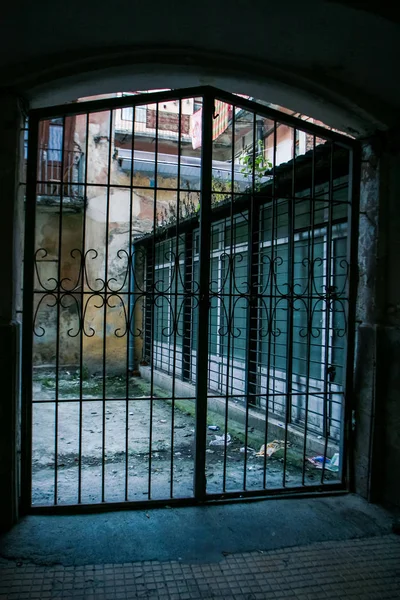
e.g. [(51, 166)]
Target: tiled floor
[(367, 568)]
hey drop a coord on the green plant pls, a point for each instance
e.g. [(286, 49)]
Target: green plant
[(221, 190), (260, 166), (48, 382), (189, 207), (85, 373)]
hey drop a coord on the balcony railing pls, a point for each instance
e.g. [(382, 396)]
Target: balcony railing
[(56, 175)]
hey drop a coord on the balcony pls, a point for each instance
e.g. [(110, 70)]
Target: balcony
[(61, 177)]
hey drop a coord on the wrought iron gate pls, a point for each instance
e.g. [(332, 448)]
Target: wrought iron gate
[(188, 302)]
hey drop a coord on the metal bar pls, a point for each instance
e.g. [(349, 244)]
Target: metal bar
[(230, 320), (270, 323), (28, 312), (149, 266), (328, 305), (301, 492), (213, 230), (289, 333), (252, 244), (153, 98), (203, 313), (131, 267), (328, 490), (60, 227), (284, 118), (146, 398), (220, 214), (310, 283), (93, 106), (346, 429), (154, 291), (82, 296), (106, 288), (166, 295), (177, 275), (188, 308), (119, 186)]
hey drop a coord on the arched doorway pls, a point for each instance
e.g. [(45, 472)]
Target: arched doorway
[(188, 312)]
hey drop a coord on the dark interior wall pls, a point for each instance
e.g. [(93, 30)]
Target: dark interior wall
[(387, 447), (323, 58), (10, 265)]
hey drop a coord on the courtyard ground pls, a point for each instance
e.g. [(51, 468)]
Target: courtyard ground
[(169, 426)]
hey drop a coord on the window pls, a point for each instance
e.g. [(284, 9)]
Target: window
[(287, 297), (338, 326), (169, 304), (55, 140), (140, 114)]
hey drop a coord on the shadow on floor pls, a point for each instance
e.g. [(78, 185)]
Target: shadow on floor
[(191, 534)]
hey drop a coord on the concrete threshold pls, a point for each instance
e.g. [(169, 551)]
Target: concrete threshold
[(191, 534)]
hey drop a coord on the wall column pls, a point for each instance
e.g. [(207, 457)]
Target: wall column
[(11, 198), (377, 370)]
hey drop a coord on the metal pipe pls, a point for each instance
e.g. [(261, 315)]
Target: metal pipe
[(203, 313)]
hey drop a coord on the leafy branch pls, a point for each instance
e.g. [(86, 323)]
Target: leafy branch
[(189, 205), (259, 165), (221, 189)]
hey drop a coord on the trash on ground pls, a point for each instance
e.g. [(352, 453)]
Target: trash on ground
[(334, 463), (220, 440), (272, 447), (317, 461), (331, 464), (213, 428), (248, 449)]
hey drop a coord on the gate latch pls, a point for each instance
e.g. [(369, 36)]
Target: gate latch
[(331, 370)]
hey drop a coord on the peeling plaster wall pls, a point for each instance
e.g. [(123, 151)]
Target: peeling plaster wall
[(97, 239), (117, 310), (99, 320), (47, 230), (377, 371), (365, 364)]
